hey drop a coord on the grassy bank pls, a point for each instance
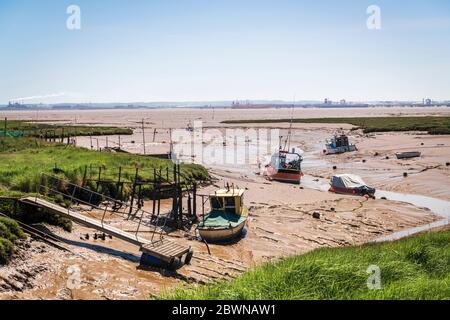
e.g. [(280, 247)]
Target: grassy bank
[(432, 125), (10, 233), (37, 129), (23, 160), (413, 268)]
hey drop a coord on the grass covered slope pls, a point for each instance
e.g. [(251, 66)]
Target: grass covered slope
[(10, 232), (22, 160), (413, 268), (432, 125)]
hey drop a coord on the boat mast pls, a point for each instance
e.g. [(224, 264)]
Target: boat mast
[(288, 138)]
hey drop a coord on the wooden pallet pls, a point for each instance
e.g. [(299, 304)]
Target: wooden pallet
[(165, 250)]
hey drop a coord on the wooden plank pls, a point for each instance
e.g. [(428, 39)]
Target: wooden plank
[(165, 249)]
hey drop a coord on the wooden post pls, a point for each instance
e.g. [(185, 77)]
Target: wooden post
[(194, 201), (189, 203), (62, 135), (119, 183), (143, 135), (120, 144), (154, 193), (107, 143), (175, 193), (180, 195), (133, 191), (90, 139), (84, 176), (6, 125), (99, 177), (154, 135)]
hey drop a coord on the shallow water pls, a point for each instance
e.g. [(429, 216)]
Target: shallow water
[(437, 206)]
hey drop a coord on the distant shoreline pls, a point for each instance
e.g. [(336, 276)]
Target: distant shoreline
[(240, 107)]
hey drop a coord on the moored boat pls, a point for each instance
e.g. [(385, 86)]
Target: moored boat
[(227, 217), (285, 167), (350, 184), (339, 144)]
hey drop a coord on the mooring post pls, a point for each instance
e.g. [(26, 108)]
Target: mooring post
[(133, 191), (175, 193), (84, 176), (119, 183), (194, 201), (99, 177)]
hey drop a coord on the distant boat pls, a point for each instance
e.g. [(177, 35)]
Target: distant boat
[(339, 144), (408, 155), (350, 184), (227, 217)]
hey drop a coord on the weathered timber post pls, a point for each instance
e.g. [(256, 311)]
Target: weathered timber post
[(133, 191)]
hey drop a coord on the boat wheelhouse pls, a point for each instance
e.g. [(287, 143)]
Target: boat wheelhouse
[(227, 217), (339, 144), (285, 167)]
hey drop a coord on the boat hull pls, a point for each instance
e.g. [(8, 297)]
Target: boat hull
[(221, 234), (340, 150), (351, 191), (288, 176)]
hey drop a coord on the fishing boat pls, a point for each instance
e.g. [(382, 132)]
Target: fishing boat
[(339, 144), (285, 167), (408, 155), (227, 217), (350, 184)]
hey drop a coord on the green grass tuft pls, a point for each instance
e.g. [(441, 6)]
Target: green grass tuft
[(10, 233), (36, 129), (432, 125), (413, 268)]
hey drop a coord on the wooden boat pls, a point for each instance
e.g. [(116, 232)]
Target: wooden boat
[(227, 217), (350, 184), (339, 144), (285, 167), (408, 155)]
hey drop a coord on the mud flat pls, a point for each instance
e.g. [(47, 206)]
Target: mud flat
[(284, 219), (281, 223)]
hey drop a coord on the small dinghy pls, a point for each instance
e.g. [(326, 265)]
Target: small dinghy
[(350, 184), (227, 217), (408, 155)]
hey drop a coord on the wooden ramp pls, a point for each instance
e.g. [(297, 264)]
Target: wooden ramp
[(163, 249)]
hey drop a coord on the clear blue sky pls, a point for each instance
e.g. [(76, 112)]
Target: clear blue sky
[(179, 50)]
